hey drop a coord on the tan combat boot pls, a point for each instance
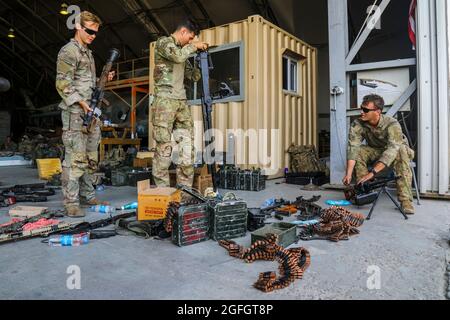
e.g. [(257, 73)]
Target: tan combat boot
[(75, 212), (408, 207), (94, 202)]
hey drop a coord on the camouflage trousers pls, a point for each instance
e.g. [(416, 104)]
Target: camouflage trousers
[(401, 166), (80, 160), (173, 117)]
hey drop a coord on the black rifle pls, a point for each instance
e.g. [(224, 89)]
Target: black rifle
[(204, 62), (89, 226), (99, 92)]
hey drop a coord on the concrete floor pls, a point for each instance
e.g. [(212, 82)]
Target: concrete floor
[(410, 255)]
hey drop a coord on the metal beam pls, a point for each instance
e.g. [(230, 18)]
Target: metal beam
[(443, 94), (19, 57), (45, 23), (211, 23), (58, 16), (403, 99), (338, 43), (153, 19), (15, 74), (365, 34), (264, 9), (382, 65), (114, 32), (31, 42)]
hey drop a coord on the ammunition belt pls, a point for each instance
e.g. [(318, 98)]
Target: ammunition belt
[(336, 224), (293, 262)]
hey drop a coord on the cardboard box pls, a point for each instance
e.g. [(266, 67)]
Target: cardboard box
[(153, 202), (201, 183), (47, 168), (202, 171), (145, 155), (26, 211), (142, 163)]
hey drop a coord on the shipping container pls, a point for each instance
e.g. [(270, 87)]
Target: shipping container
[(274, 79)]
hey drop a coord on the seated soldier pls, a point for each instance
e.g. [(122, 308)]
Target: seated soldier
[(386, 147), (9, 145)]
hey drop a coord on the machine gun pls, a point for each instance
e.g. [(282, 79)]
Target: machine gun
[(99, 92), (204, 62), (366, 193), (370, 192)]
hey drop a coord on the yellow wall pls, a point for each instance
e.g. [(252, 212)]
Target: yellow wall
[(266, 106)]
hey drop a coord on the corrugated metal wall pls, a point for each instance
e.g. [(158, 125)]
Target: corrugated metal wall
[(266, 106), (433, 76)]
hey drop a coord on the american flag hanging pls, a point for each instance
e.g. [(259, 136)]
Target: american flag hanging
[(412, 23)]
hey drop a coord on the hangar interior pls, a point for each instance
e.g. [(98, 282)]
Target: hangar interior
[(293, 51)]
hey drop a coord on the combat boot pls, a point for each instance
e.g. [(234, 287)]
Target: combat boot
[(75, 212), (408, 207), (93, 202)]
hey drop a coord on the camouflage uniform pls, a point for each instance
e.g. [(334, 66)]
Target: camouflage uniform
[(170, 111), (75, 81), (386, 144)]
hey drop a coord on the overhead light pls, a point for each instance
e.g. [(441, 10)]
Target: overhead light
[(63, 9), (11, 34)]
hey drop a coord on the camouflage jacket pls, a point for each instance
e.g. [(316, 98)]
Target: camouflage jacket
[(387, 136), (171, 68), (75, 78)]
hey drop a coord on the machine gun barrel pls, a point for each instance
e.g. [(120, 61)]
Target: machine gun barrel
[(373, 185)]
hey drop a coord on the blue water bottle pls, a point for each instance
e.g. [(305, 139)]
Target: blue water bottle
[(103, 209)]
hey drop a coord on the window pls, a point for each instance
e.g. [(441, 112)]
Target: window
[(290, 74), (292, 80), (228, 70)]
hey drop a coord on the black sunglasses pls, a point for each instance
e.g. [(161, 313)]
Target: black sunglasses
[(365, 110), (90, 31)]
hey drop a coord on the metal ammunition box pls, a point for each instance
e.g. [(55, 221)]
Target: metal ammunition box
[(287, 233), (191, 225), (232, 178), (228, 219)]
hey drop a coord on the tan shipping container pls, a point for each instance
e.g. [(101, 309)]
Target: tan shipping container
[(264, 105)]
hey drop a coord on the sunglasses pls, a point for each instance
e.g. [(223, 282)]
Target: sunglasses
[(365, 110), (90, 31)]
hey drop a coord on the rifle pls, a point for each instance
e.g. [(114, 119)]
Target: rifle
[(16, 227), (365, 193), (99, 92), (41, 232), (66, 228), (204, 62), (88, 226)]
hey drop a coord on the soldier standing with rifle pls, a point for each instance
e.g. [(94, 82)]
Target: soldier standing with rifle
[(170, 110), (386, 147), (75, 82)]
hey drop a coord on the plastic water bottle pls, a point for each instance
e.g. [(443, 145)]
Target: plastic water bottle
[(75, 240), (103, 209), (130, 206)]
